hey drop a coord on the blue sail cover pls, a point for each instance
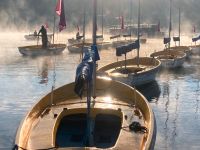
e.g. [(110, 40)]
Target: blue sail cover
[(83, 73), (120, 50), (127, 48), (85, 69), (176, 39), (166, 40), (95, 53), (135, 45), (195, 39)]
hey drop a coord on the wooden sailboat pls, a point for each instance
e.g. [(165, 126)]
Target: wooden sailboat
[(111, 115), (31, 37), (120, 34), (79, 46), (187, 50), (195, 48), (170, 58), (123, 35), (136, 71), (35, 50)]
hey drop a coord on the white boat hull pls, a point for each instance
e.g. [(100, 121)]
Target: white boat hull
[(195, 49), (184, 49), (38, 50), (170, 59), (77, 48), (35, 37), (172, 63), (139, 79), (151, 65)]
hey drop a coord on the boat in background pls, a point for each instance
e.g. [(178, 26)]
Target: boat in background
[(81, 45), (35, 50), (195, 48), (187, 50), (35, 37), (136, 71), (130, 73), (170, 57), (108, 113)]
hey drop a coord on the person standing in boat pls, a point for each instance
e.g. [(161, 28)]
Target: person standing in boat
[(77, 35), (35, 33), (43, 31)]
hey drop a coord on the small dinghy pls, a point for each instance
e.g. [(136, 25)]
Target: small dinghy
[(35, 37), (130, 73), (185, 49), (35, 50), (169, 58), (136, 71)]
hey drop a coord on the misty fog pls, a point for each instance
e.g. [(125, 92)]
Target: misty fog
[(31, 14)]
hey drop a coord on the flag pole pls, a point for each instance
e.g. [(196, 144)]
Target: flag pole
[(54, 23), (179, 29), (102, 17), (170, 22), (138, 33), (94, 45), (84, 18)]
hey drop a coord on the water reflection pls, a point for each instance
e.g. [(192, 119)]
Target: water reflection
[(174, 122), (151, 91), (197, 93), (43, 68), (166, 94)]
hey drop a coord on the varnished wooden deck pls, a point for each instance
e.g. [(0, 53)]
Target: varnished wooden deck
[(41, 135)]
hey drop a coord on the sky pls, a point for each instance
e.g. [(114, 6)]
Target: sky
[(29, 14)]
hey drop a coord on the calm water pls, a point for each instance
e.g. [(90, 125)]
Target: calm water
[(23, 81)]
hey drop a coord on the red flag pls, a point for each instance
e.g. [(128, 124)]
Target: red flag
[(61, 12), (58, 7)]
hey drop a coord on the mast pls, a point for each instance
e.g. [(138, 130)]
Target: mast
[(102, 18), (54, 24), (179, 27), (94, 44), (84, 18), (130, 17), (138, 34), (170, 23)]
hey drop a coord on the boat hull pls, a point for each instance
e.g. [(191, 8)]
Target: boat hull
[(150, 67), (195, 49), (185, 49), (170, 59), (39, 127), (35, 37), (38, 50), (78, 48)]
